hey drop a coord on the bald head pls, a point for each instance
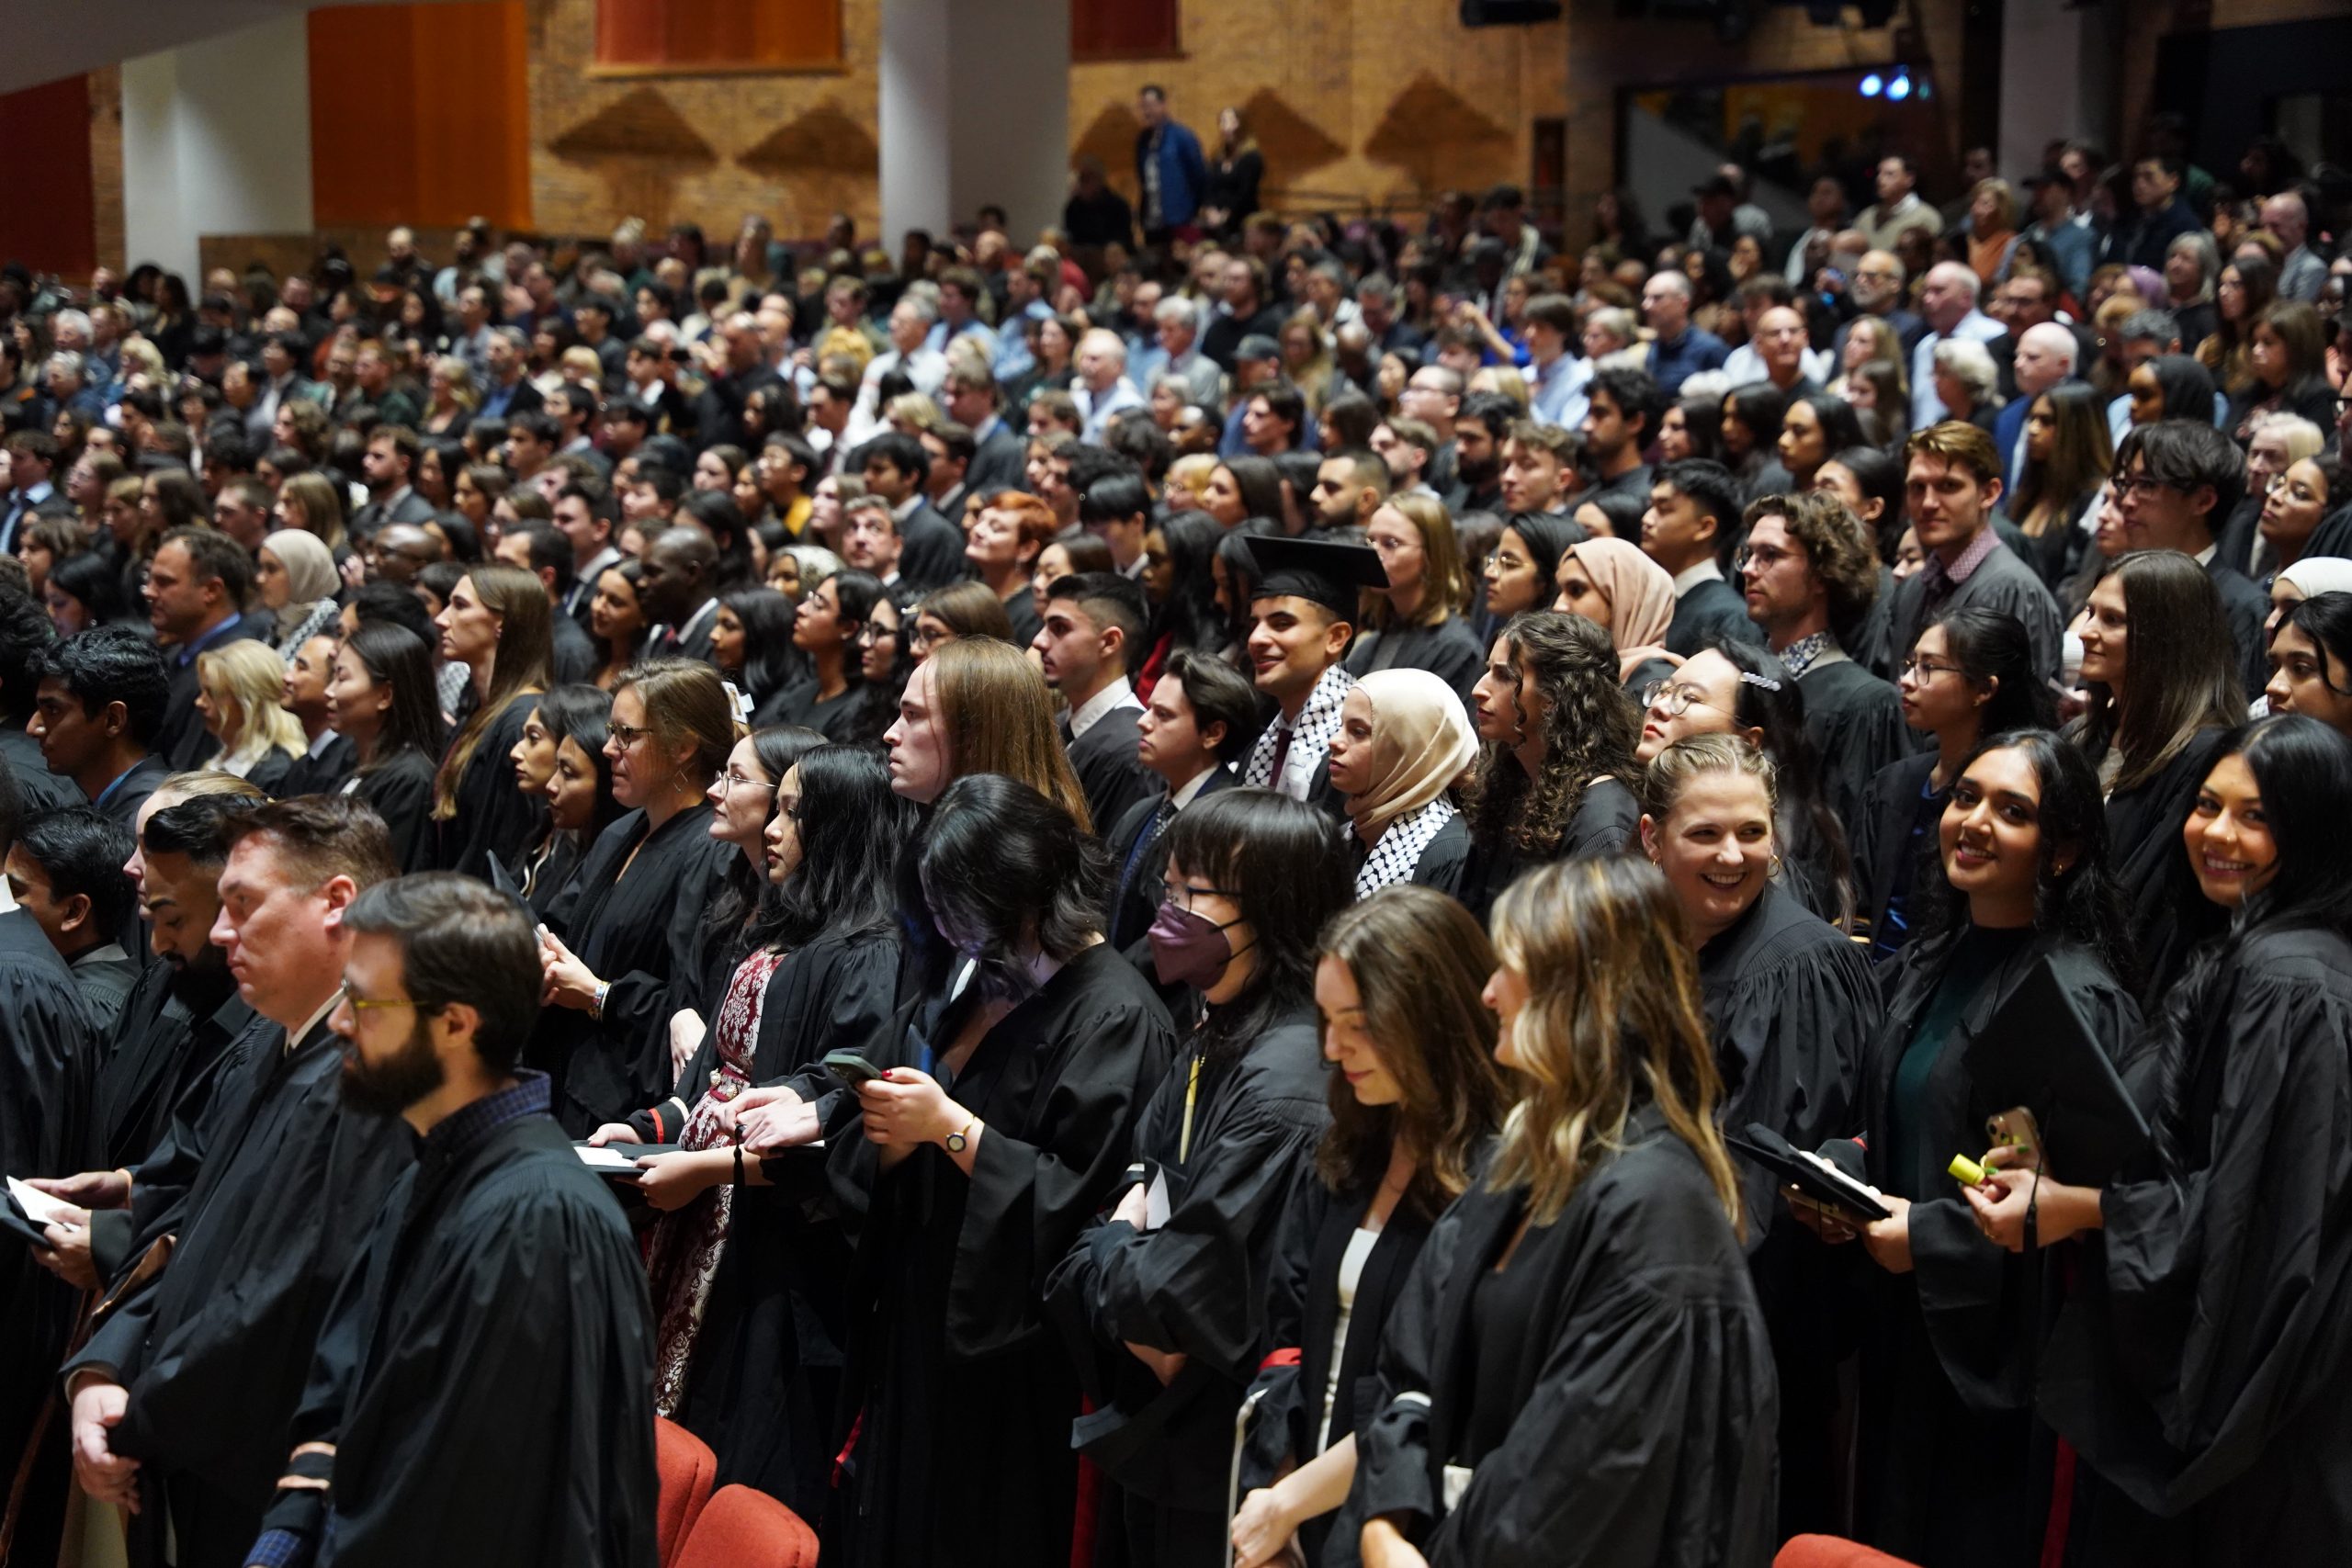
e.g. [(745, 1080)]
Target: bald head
[(2046, 355), (1947, 295), (2286, 216)]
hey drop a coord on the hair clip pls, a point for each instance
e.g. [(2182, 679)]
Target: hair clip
[(1752, 679)]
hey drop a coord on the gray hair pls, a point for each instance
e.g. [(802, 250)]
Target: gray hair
[(1961, 277), (1971, 364), (1616, 321), (1675, 280), (2158, 327), (65, 359), (1174, 310)]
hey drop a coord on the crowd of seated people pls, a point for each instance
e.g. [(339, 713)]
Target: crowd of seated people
[(1228, 888)]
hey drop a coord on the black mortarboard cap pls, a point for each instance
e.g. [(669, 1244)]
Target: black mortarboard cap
[(1319, 571)]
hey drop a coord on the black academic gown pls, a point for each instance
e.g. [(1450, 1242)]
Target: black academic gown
[(1303, 1318), (636, 924), (1855, 722), (765, 1379), (1197, 1286), (1790, 1006), (1604, 824), (493, 817), (45, 1042), (119, 801), (1441, 864), (401, 789), (2167, 915), (215, 1357), (1108, 771), (322, 773), (43, 790), (2202, 1364), (1449, 650), (963, 1451), (1953, 1475), (1633, 1387), (1887, 857), (1711, 612), (485, 1371)]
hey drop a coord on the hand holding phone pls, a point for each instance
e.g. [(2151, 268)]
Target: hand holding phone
[(851, 1068)]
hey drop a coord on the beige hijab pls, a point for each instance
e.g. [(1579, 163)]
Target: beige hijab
[(1640, 595), (1421, 741)]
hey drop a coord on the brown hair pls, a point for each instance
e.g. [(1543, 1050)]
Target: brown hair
[(1837, 548), (1611, 1022), (1955, 440), (1420, 961), (319, 837), (685, 701), (321, 507), (525, 633), (999, 718)]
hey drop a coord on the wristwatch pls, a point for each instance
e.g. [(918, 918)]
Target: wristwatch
[(961, 1139)]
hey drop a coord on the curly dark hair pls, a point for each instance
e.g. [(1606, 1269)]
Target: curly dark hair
[(1837, 547), (1588, 733)]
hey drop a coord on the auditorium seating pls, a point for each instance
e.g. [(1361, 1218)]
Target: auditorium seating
[(740, 1528), (688, 1469), (1832, 1551)]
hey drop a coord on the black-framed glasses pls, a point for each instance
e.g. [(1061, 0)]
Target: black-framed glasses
[(625, 735), (1181, 893), (1927, 669)]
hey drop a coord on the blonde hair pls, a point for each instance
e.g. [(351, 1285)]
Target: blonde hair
[(1612, 1024), (1192, 469), (460, 376), (1693, 757), (321, 507), (243, 680), (1444, 581)]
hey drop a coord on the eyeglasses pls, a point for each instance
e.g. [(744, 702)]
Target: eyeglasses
[(1674, 701), (1764, 557), (1927, 669), (2143, 485), (1181, 893), (730, 781), (875, 631), (625, 736), (361, 1004)]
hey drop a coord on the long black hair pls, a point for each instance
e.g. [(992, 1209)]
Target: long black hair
[(396, 657), (581, 713), (2082, 903), (778, 747), (1993, 645), (1769, 700), (1188, 617), (996, 867), (2302, 769), (853, 829), (770, 661), (1288, 875), (2326, 619)]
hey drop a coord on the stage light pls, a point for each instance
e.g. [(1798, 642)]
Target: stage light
[(1872, 85), (1898, 89)]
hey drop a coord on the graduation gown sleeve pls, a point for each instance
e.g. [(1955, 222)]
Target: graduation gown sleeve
[(43, 1028), (401, 789), (2205, 1369), (1642, 1428), (493, 816), (486, 1382)]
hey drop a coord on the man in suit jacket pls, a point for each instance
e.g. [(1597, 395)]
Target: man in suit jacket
[(931, 548), (681, 571), (1093, 621), (390, 465), (31, 469), (197, 589), (507, 391), (1689, 530), (1000, 457), (2046, 355), (1198, 726), (1954, 474)]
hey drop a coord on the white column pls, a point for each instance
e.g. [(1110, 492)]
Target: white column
[(2058, 73), (216, 139), (974, 109)]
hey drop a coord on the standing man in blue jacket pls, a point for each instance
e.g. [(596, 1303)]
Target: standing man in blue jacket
[(1170, 171)]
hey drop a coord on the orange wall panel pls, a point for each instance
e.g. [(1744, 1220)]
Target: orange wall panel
[(421, 114), (50, 220)]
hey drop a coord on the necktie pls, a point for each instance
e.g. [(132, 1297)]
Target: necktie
[(1152, 830)]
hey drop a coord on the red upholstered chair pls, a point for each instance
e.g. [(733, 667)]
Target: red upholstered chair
[(1832, 1551), (742, 1527), (688, 1470)]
